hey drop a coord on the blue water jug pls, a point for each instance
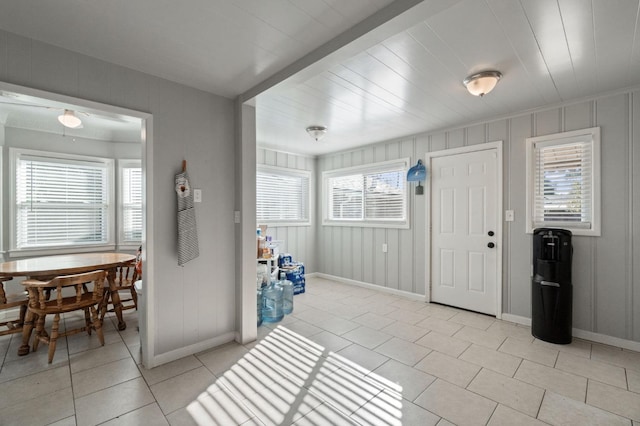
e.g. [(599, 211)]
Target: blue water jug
[(272, 295), (259, 304), (287, 296)]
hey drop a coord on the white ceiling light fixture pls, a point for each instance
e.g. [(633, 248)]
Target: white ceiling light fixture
[(482, 83), (70, 119), (316, 132)]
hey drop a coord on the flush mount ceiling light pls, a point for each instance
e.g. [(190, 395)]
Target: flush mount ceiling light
[(482, 83), (316, 132), (69, 119)]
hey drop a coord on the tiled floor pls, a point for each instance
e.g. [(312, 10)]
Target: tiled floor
[(347, 355)]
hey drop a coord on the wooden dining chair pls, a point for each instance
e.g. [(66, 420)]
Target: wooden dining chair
[(12, 301), (124, 277), (85, 297)]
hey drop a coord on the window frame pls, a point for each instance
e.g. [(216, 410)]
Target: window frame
[(284, 171), (590, 136), (400, 164), (122, 243), (14, 251)]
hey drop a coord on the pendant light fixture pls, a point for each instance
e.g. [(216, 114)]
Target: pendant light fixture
[(482, 83), (316, 132), (70, 119)]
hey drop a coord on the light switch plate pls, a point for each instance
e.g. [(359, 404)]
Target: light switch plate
[(236, 216), (384, 247), (509, 216), (197, 195)]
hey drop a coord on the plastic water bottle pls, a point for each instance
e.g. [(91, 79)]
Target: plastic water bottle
[(272, 307)]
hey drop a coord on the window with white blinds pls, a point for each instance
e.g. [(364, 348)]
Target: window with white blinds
[(563, 175), (372, 195), (282, 196), (61, 201), (130, 211)]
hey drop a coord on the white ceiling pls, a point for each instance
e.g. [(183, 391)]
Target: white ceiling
[(393, 82)]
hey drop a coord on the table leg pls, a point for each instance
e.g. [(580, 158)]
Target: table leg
[(26, 333), (115, 300)]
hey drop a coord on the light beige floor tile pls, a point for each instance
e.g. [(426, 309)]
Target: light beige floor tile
[(49, 408), (455, 404), (560, 410), (282, 404), (83, 342), (437, 311), (403, 351), (380, 308), (480, 337), (218, 407), (330, 341), (505, 416), (406, 317), (513, 393), (407, 381), (443, 343), (15, 341), (577, 347), (445, 422), (179, 391), (616, 356), (388, 408), (440, 325), (613, 399), (303, 328), (325, 414), (348, 312), (98, 356), (405, 331), (104, 376), (344, 390), (365, 358), (367, 337), (447, 368), (597, 370), (219, 360), (633, 380), (171, 369), (313, 316), (473, 319), (372, 320), (493, 360), (112, 402), (509, 329), (69, 421), (253, 373), (34, 362), (147, 415), (34, 386), (529, 351), (408, 305), (552, 379)]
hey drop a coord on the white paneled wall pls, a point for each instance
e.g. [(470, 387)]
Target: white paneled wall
[(299, 241), (194, 305), (606, 275)]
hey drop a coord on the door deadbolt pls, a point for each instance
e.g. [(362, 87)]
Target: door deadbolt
[(491, 245), (491, 233)]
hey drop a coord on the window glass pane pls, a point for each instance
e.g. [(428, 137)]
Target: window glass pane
[(346, 197), (384, 196), (282, 196), (60, 202), (131, 204)]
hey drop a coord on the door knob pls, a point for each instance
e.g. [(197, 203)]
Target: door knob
[(491, 233), (491, 245)]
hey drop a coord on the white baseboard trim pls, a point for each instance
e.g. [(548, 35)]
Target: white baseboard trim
[(408, 295), (191, 349), (583, 334)]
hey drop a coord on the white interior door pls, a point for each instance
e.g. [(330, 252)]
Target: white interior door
[(464, 230)]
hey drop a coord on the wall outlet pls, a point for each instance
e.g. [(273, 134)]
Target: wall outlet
[(384, 247), (509, 216), (236, 216), (197, 195)]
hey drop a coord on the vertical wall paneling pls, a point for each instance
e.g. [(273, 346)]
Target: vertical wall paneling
[(635, 217)]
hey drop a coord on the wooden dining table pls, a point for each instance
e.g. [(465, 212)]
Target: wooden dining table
[(48, 267)]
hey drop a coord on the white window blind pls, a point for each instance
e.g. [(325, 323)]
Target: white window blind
[(282, 195), (563, 174), (372, 194), (131, 204), (60, 202)]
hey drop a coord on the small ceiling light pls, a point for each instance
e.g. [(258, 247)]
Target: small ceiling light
[(316, 132), (482, 83), (69, 119)]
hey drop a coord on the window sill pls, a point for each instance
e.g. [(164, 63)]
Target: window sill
[(59, 250), (391, 225)]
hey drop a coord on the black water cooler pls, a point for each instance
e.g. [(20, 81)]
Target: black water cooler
[(551, 288)]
